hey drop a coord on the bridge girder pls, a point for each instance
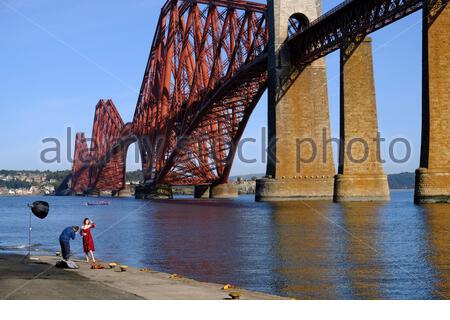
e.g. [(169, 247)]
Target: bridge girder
[(350, 22)]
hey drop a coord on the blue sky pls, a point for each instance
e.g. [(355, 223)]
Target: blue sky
[(59, 57)]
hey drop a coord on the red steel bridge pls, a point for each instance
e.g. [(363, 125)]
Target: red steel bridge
[(206, 72)]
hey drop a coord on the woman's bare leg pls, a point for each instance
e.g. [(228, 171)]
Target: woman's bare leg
[(87, 257), (92, 255)]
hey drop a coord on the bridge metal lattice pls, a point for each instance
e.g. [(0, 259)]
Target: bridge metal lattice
[(206, 72), (195, 99)]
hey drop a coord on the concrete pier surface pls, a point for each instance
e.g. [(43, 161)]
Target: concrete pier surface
[(40, 280)]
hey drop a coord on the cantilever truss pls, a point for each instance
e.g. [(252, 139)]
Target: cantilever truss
[(204, 76), (202, 81), (81, 165), (101, 166), (206, 71)]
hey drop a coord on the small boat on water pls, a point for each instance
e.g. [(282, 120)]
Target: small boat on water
[(99, 203)]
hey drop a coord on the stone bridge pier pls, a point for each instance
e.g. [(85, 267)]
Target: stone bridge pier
[(433, 176), (360, 174), (300, 160), (216, 191)]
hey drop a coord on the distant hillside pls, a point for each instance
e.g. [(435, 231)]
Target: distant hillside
[(405, 180), (14, 179), (30, 182), (248, 176)]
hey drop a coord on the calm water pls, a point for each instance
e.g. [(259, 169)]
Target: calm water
[(308, 250)]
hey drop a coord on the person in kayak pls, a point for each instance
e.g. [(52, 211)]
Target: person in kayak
[(64, 240)]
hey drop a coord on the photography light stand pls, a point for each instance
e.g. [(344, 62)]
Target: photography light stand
[(39, 209), (28, 256), (29, 235)]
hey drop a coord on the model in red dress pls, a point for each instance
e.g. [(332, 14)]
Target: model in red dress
[(88, 241)]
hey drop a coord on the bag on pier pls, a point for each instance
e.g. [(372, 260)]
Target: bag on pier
[(67, 264)]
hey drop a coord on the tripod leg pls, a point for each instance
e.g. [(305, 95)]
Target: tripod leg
[(29, 237)]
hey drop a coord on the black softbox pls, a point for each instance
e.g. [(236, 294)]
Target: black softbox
[(40, 209)]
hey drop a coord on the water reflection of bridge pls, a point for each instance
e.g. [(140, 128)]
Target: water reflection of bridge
[(308, 250), (357, 251)]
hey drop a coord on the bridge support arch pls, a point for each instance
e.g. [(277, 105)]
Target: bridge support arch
[(300, 160), (360, 174), (433, 177)]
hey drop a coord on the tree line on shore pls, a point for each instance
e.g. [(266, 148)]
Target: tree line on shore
[(15, 179)]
